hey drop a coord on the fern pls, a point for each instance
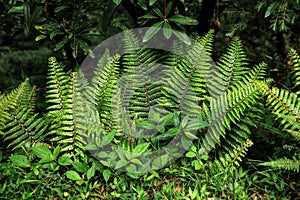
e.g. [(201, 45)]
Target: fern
[(61, 97), (295, 60), (231, 68), (139, 89), (226, 109), (130, 88), (284, 104), (284, 163), (19, 124), (184, 87)]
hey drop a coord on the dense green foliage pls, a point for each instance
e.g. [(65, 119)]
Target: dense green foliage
[(228, 130), (223, 107)]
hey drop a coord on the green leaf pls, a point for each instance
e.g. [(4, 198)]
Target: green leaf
[(91, 172), (56, 151), (85, 47), (167, 30), (20, 160), (107, 139), (160, 161), (64, 160), (54, 33), (80, 167), (60, 44), (26, 13), (270, 10), (158, 12), (190, 154), (121, 163), (190, 135), (91, 147), (169, 6), (148, 16), (152, 31), (117, 2), (44, 153), (106, 174), (183, 20), (60, 8), (183, 37), (151, 2), (141, 148), (73, 175), (16, 9), (40, 37)]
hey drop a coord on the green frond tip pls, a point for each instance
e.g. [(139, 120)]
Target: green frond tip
[(295, 61), (230, 69), (57, 86), (284, 163), (284, 104)]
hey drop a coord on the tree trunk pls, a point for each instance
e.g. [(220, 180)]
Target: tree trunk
[(206, 16)]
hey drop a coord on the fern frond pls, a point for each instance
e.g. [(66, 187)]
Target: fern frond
[(101, 92), (284, 104), (184, 87), (257, 73), (231, 68), (140, 91), (226, 109), (24, 95), (62, 99), (295, 60), (284, 163), (24, 128), (57, 86), (234, 156)]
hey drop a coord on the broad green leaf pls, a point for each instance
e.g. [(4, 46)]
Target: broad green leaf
[(106, 174), (183, 37), (121, 163), (60, 44), (60, 8), (160, 161), (151, 2), (131, 168), (190, 135), (64, 160), (117, 2), (167, 30), (270, 10), (141, 148), (183, 20), (54, 33), (91, 172), (86, 48), (40, 37), (43, 153), (190, 154), (80, 167), (91, 146), (152, 31), (56, 151), (16, 9), (20, 160), (148, 16), (158, 12), (26, 13), (73, 175), (169, 6), (107, 139)]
